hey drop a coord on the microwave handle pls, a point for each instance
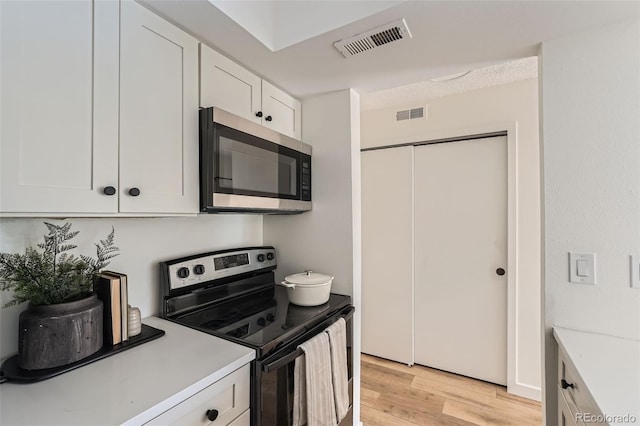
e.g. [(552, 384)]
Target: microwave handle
[(295, 354)]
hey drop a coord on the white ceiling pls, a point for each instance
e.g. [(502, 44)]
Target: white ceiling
[(448, 37), (282, 23), (417, 93)]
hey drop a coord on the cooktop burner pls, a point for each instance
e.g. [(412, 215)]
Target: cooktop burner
[(262, 320)]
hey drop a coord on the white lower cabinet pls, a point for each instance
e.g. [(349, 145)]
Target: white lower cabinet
[(576, 406), (225, 402), (243, 420), (565, 416)]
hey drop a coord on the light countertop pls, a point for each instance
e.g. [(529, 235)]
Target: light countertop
[(131, 387), (609, 366)]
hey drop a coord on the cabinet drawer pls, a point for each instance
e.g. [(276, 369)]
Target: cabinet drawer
[(243, 420), (566, 413), (229, 396), (577, 397)]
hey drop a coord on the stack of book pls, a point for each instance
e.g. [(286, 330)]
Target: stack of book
[(111, 288)]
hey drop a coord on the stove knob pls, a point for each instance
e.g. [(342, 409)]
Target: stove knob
[(270, 256), (261, 322), (271, 317), (198, 269), (183, 272), (261, 257)]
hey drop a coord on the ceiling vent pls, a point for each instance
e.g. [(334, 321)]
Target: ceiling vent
[(410, 114), (380, 36)]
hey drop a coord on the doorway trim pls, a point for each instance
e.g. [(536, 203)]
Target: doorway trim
[(514, 386)]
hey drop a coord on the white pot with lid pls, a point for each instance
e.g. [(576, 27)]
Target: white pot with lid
[(308, 288)]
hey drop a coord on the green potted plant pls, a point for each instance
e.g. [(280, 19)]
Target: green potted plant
[(64, 319)]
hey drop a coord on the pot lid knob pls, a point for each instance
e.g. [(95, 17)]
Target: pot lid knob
[(308, 271)]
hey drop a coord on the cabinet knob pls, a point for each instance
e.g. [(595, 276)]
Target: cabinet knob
[(268, 118), (259, 114), (134, 192), (500, 271), (109, 190), (212, 415), (566, 384)]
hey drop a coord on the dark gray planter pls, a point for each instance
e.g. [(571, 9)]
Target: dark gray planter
[(55, 335)]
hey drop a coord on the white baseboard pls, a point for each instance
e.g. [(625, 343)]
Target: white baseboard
[(525, 391)]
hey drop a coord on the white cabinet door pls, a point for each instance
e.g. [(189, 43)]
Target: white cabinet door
[(225, 84), (281, 112), (158, 114), (59, 103), (387, 254), (229, 86)]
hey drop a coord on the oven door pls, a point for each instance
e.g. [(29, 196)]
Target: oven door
[(273, 402), (243, 171)]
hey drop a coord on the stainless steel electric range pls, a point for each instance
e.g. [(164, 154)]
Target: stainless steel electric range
[(232, 294)]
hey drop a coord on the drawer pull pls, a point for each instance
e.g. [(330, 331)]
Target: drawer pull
[(566, 384), (212, 415)]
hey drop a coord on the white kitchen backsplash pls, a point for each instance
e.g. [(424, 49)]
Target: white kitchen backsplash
[(143, 242)]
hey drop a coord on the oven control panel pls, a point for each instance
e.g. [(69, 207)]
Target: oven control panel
[(212, 266)]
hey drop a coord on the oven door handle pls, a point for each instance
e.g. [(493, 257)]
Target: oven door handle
[(346, 314)]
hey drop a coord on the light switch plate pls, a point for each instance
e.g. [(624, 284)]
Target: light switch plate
[(635, 271), (582, 268)]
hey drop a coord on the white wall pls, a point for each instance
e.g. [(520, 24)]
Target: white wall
[(327, 239), (143, 242), (590, 97), (467, 112)]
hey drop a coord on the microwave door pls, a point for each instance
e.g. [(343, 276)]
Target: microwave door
[(246, 169)]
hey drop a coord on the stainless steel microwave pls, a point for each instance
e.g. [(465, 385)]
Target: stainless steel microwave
[(247, 167)]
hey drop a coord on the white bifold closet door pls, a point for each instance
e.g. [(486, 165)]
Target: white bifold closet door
[(387, 253), (460, 245)]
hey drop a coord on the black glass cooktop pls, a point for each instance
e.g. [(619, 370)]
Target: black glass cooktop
[(262, 320)]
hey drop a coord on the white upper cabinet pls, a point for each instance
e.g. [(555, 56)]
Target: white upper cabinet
[(225, 84), (59, 103), (281, 111), (158, 114), (99, 102)]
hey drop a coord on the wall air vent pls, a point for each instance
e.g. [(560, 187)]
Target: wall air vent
[(410, 114), (377, 37)]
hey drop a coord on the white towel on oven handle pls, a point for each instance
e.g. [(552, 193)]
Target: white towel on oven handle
[(338, 344), (313, 384), (299, 392)]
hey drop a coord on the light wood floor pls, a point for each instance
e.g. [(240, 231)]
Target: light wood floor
[(395, 394)]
